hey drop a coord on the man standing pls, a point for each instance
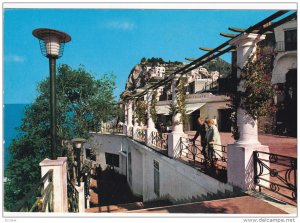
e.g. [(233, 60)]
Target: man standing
[(201, 130)]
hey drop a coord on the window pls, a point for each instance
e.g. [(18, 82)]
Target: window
[(90, 155), (129, 169), (112, 159), (156, 177), (290, 40)]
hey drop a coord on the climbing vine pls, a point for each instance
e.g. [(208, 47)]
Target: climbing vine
[(233, 117), (180, 106), (153, 105), (255, 95), (141, 112)]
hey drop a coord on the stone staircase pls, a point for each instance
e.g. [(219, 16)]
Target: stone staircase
[(237, 205), (128, 207)]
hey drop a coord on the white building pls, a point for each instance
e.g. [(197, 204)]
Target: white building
[(157, 71), (154, 176), (286, 47), (284, 77)]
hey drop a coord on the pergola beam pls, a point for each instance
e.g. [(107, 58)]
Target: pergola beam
[(229, 35), (241, 30), (198, 62), (210, 49), (190, 59)]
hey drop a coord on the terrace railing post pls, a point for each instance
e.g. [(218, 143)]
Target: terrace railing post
[(177, 132), (240, 154), (81, 197), (126, 118), (59, 166), (129, 118), (136, 124), (255, 166), (150, 124)]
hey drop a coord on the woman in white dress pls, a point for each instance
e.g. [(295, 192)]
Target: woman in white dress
[(213, 139)]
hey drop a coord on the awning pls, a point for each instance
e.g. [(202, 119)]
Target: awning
[(193, 107), (164, 109)]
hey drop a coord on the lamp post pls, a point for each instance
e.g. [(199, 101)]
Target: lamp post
[(78, 142), (52, 46)]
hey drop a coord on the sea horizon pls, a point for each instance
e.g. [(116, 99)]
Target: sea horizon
[(13, 113)]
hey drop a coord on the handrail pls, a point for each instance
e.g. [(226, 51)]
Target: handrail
[(112, 129), (215, 167), (281, 171), (44, 200), (159, 140), (73, 197), (21, 205), (140, 134)]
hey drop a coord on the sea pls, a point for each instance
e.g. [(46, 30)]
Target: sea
[(12, 115)]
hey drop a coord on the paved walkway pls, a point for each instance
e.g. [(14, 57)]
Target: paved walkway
[(282, 145), (239, 205)]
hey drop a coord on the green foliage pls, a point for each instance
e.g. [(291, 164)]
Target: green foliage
[(152, 108), (180, 106), (256, 93), (121, 114), (82, 103), (152, 61), (233, 117), (256, 75), (219, 65), (141, 111)]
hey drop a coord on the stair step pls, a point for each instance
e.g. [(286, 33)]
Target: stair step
[(127, 207)]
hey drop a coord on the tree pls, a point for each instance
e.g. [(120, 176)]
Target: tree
[(219, 65), (82, 103)]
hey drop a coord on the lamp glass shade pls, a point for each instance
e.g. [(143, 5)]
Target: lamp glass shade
[(51, 41), (78, 145), (78, 142), (52, 46)]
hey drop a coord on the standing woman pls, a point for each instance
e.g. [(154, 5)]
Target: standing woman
[(213, 139)]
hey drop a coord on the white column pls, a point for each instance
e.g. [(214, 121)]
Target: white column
[(136, 124), (159, 92), (174, 137), (126, 118), (240, 154), (150, 124), (59, 167), (129, 117), (81, 197), (246, 46)]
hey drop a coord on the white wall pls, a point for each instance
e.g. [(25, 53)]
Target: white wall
[(211, 109), (111, 144), (279, 31), (178, 181), (137, 170), (283, 62)]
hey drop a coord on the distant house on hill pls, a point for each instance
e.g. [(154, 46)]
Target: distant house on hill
[(202, 89)]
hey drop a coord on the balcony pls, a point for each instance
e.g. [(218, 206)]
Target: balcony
[(282, 46)]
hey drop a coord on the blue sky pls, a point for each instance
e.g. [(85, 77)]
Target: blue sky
[(106, 41)]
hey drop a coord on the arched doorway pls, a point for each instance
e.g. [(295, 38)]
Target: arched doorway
[(290, 102)]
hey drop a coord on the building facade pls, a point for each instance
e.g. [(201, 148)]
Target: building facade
[(284, 77)]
